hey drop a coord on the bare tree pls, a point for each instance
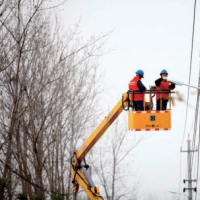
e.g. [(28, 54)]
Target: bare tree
[(49, 95)]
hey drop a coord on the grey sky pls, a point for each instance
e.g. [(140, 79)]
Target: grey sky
[(148, 35)]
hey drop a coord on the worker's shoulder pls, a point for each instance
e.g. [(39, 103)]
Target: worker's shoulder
[(139, 82), (159, 79)]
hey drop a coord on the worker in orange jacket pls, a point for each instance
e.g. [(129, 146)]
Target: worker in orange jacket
[(136, 85), (163, 84)]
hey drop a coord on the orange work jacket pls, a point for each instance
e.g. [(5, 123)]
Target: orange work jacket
[(133, 86), (163, 86)]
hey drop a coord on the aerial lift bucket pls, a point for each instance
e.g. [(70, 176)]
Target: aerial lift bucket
[(149, 120)]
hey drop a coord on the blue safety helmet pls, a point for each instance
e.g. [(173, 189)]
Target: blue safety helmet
[(140, 72), (164, 71)]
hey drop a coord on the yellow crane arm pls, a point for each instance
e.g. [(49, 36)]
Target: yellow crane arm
[(79, 172), (99, 131)]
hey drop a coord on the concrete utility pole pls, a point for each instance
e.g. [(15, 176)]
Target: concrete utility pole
[(189, 151)]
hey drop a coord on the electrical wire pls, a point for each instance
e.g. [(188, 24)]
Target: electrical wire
[(194, 16), (89, 188), (196, 113), (194, 161), (49, 192), (195, 131), (196, 119), (180, 177), (195, 125), (197, 109), (197, 165)]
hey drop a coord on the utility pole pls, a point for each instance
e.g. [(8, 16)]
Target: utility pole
[(189, 153)]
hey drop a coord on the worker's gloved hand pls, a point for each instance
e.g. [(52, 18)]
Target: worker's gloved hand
[(164, 78)]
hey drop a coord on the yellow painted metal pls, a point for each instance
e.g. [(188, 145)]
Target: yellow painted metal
[(82, 181), (149, 120), (99, 131)]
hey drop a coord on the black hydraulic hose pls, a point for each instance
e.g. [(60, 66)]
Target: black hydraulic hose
[(84, 180), (128, 101), (123, 104), (88, 188), (152, 99)]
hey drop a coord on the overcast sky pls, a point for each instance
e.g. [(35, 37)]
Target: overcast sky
[(148, 35)]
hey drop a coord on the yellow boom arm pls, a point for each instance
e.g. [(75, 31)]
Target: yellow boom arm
[(79, 171)]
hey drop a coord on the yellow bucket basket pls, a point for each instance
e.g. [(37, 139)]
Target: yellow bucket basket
[(149, 120)]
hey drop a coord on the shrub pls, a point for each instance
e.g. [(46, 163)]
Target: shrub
[(56, 198), (37, 198), (21, 196)]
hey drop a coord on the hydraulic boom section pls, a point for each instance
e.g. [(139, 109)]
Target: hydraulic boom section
[(80, 176)]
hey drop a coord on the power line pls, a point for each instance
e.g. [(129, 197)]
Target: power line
[(195, 122), (180, 177), (49, 192), (197, 166), (194, 16)]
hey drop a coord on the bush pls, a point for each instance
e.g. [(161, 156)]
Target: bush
[(2, 184), (37, 198), (21, 196), (56, 198)]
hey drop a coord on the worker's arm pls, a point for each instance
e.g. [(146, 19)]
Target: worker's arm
[(141, 86), (171, 86), (158, 82)]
